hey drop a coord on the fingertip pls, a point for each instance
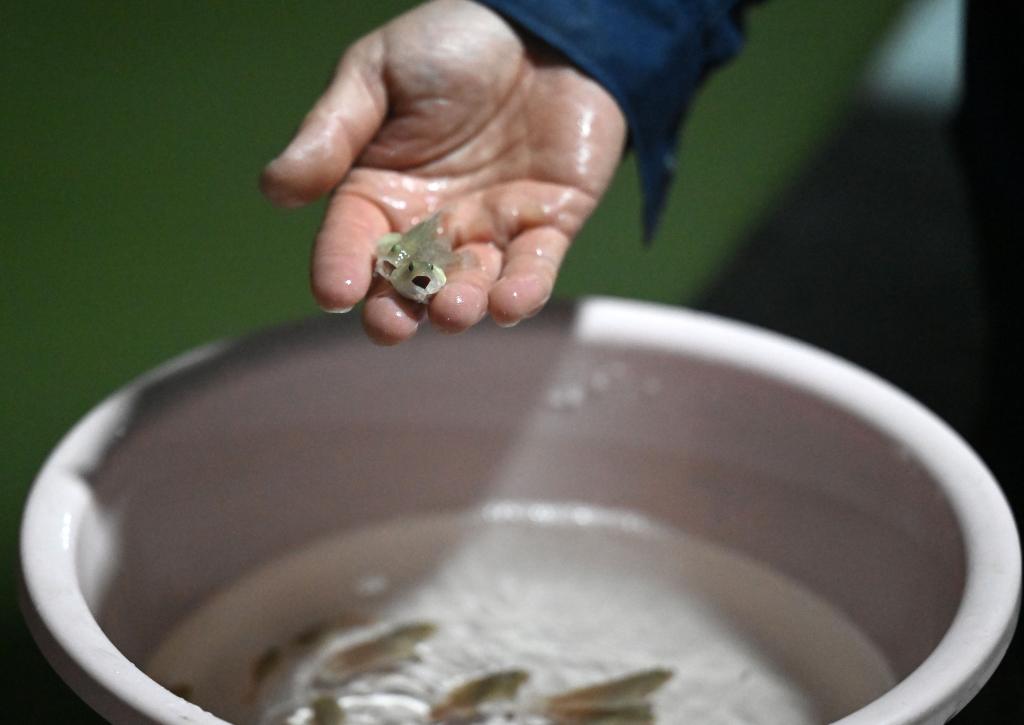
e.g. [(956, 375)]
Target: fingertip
[(389, 320), (289, 184), (274, 186), (512, 300), (339, 282), (457, 307)]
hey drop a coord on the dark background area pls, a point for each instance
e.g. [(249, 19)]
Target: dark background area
[(131, 229), (896, 289)]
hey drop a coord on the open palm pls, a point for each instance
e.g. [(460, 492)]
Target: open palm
[(446, 108)]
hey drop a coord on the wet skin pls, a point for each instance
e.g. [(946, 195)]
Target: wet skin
[(447, 107)]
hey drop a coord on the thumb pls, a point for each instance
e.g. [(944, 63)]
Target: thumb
[(334, 132)]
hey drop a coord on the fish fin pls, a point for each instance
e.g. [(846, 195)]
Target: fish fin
[(465, 699), (633, 714), (445, 258), (398, 643), (631, 689), (422, 236), (385, 242)]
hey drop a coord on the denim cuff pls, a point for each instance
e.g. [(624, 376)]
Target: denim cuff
[(650, 55)]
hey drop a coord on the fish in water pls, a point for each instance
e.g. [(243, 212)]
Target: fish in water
[(274, 657), (636, 714), (465, 700), (414, 262), (628, 690), (386, 650)]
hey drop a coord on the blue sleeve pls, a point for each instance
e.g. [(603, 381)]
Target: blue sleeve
[(650, 55)]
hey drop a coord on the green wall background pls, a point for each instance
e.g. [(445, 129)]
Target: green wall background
[(131, 135)]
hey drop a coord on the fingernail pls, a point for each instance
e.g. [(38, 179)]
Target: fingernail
[(506, 325), (337, 310)]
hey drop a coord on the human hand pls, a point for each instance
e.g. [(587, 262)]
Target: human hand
[(447, 107)]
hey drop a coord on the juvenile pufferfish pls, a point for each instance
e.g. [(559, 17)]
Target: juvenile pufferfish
[(414, 262)]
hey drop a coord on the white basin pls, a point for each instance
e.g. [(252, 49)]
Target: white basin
[(237, 453)]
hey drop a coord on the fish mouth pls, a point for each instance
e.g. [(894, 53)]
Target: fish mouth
[(421, 280)]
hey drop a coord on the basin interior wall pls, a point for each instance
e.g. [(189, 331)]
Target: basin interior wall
[(285, 438)]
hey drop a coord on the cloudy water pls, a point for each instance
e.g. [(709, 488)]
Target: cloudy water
[(519, 613)]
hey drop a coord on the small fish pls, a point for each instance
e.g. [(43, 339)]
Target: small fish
[(414, 262), (629, 690), (327, 711), (272, 658), (635, 714), (387, 649), (465, 699)]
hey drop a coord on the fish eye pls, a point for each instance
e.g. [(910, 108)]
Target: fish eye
[(395, 249), (430, 267), (410, 266)]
